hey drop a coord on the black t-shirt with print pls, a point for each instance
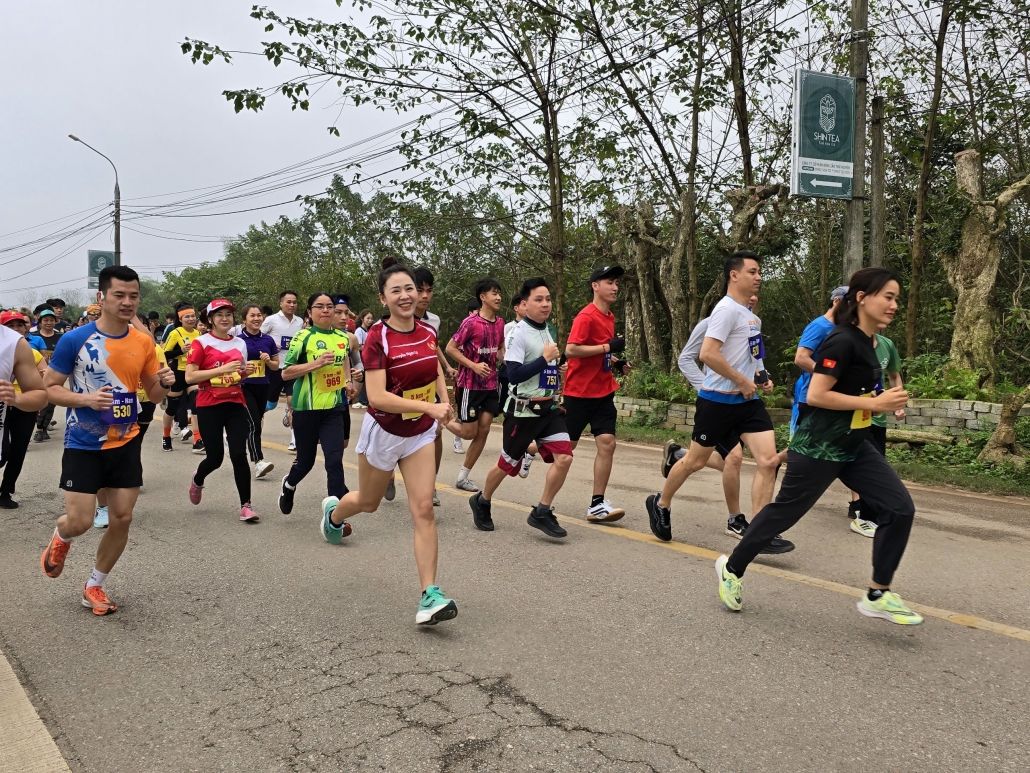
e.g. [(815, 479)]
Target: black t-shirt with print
[(847, 355)]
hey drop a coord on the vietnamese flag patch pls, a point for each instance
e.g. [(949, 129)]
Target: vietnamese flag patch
[(831, 364)]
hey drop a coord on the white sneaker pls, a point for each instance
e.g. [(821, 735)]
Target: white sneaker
[(458, 448), (263, 468), (527, 460), (465, 484), (292, 447), (865, 528), (186, 434), (175, 428), (100, 520), (604, 513)]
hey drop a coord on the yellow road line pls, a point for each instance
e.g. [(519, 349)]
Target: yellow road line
[(967, 621)]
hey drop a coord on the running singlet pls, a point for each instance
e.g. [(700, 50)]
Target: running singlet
[(479, 340), (320, 389), (177, 346), (740, 331), (93, 360), (255, 346), (526, 344), (591, 376), (208, 352), (411, 366), (837, 436)]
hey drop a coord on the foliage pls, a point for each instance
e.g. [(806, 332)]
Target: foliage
[(648, 382), (929, 376)]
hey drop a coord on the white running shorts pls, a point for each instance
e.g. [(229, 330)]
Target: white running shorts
[(383, 450)]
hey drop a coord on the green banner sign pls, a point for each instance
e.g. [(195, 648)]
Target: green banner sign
[(98, 261), (823, 147)]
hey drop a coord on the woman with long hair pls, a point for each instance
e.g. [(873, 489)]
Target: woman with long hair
[(217, 364), (404, 379), (262, 353), (832, 441)]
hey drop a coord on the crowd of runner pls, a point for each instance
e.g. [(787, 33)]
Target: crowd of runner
[(219, 372)]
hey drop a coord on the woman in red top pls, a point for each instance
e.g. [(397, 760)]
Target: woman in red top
[(217, 362), (403, 380)]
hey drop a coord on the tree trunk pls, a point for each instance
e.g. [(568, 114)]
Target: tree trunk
[(826, 235), (556, 243), (636, 348), (877, 194), (1002, 446), (642, 233), (671, 270), (734, 23)]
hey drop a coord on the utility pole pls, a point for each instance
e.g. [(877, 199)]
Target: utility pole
[(117, 203), (855, 220), (877, 196)]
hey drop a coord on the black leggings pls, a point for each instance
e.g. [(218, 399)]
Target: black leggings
[(870, 476), (311, 428), (17, 434), (44, 417), (256, 396), (234, 419)]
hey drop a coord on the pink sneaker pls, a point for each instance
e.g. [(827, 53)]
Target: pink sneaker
[(247, 514), (195, 492)]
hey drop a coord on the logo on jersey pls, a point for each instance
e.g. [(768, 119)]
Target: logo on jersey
[(831, 364), (432, 345), (320, 344)]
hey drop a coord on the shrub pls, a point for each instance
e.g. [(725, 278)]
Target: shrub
[(648, 382)]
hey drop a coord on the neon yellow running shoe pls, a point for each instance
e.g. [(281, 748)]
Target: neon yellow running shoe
[(729, 585), (890, 607)]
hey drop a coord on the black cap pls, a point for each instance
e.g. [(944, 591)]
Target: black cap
[(607, 272)]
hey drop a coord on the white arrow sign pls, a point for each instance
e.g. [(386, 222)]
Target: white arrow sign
[(825, 184)]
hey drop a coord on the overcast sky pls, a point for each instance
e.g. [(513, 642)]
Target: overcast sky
[(111, 72)]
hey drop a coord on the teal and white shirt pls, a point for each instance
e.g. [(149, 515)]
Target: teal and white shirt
[(523, 353)]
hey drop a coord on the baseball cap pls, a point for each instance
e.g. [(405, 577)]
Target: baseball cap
[(838, 293), (45, 312), (13, 316), (607, 272), (219, 303)]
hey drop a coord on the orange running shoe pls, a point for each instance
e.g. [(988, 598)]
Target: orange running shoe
[(54, 555), (97, 600)]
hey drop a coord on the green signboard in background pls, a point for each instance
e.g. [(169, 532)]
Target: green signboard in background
[(98, 261), (823, 146)]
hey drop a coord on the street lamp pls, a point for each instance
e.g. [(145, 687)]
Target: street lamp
[(117, 204)]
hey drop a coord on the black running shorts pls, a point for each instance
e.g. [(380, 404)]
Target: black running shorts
[(718, 423), (86, 472), (472, 403), (598, 413)]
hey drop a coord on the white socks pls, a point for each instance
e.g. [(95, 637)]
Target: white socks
[(96, 579), (58, 535), (464, 474)]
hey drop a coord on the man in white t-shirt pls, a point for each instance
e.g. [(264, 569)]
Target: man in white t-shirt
[(728, 404), (282, 327)]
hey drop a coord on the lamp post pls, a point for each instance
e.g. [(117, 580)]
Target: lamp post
[(117, 204)]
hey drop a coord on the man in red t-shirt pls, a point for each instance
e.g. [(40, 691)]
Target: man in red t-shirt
[(590, 384)]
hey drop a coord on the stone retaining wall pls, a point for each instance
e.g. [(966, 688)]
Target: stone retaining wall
[(946, 416)]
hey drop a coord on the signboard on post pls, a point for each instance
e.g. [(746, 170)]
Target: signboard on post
[(98, 261), (823, 146)]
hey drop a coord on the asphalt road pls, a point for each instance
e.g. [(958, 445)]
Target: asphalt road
[(262, 648)]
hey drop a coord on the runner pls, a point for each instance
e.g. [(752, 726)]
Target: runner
[(477, 347), (282, 327), (217, 364), (317, 365), (46, 320), (365, 320), (403, 377), (17, 413), (58, 305), (727, 405), (518, 305), (263, 354), (590, 385), (341, 317), (105, 360), (832, 442), (182, 397), (729, 456), (531, 413)]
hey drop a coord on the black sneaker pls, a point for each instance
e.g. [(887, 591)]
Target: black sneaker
[(198, 447), (286, 497), (737, 525), (659, 517), (7, 503), (166, 444), (669, 456), (481, 513), (41, 436), (543, 518)]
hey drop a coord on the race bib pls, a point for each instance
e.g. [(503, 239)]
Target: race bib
[(122, 410), (426, 394), (284, 342), (757, 347), (862, 419), (329, 379), (227, 380), (259, 368), (607, 365), (549, 377)]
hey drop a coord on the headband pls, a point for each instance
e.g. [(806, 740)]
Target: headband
[(184, 312)]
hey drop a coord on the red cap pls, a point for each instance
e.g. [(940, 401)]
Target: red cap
[(12, 316), (220, 303)]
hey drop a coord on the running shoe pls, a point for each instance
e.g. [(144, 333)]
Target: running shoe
[(292, 447), (263, 468), (434, 607), (330, 532), (54, 555), (101, 519), (41, 436), (286, 497), (730, 585), (604, 513), (185, 435), (737, 525), (198, 447), (7, 503), (247, 514), (542, 518), (436, 499), (527, 461), (391, 490), (458, 447), (863, 527), (53, 425), (94, 598), (465, 484), (286, 418), (890, 607), (669, 456), (481, 513), (166, 444), (175, 428), (659, 517), (271, 405), (196, 492)]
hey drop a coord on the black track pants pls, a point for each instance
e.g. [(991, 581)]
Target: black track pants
[(312, 428), (234, 420), (256, 396)]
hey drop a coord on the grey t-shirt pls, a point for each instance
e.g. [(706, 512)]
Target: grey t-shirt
[(740, 331)]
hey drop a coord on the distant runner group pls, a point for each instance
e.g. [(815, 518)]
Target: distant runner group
[(218, 372)]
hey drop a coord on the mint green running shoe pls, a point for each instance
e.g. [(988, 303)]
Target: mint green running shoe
[(891, 608), (435, 607), (331, 534), (729, 585)]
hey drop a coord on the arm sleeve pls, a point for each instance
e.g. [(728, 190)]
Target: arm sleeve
[(63, 358), (833, 356), (688, 357), (519, 372), (295, 354)]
